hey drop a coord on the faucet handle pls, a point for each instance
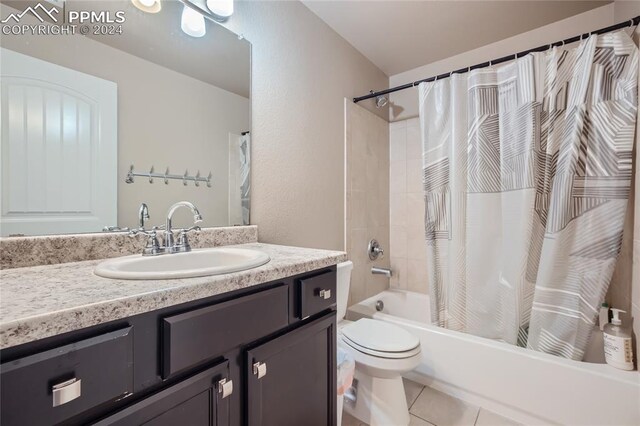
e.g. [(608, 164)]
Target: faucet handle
[(183, 241), (193, 228), (374, 250), (149, 233)]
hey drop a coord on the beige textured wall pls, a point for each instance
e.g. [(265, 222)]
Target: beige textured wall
[(367, 197), (165, 119), (406, 101), (406, 207), (301, 72)]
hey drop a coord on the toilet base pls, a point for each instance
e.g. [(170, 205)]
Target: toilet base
[(380, 402)]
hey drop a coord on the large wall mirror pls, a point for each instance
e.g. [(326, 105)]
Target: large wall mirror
[(84, 118)]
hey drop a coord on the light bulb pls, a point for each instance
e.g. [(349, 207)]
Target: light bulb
[(192, 23), (222, 8), (149, 6)]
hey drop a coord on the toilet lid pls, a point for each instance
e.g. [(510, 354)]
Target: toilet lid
[(380, 336)]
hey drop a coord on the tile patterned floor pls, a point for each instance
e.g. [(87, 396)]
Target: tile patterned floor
[(428, 407)]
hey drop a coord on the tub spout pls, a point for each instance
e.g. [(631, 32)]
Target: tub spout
[(382, 271)]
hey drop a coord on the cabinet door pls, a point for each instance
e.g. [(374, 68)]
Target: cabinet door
[(292, 378), (200, 400)]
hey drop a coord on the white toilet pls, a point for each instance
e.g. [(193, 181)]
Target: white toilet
[(383, 352)]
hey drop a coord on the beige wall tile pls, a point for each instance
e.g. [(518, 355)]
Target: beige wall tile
[(415, 211), (374, 209), (398, 241), (367, 198), (417, 276), (414, 176), (414, 142), (406, 205), (398, 125), (357, 207), (397, 144), (398, 209), (399, 268), (397, 177)]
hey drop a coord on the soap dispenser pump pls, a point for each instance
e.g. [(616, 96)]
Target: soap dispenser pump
[(617, 343)]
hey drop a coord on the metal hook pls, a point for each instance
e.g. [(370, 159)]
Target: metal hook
[(184, 178), (151, 175), (197, 179), (209, 180), (129, 178), (166, 179)]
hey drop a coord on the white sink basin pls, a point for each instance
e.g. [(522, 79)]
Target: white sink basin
[(196, 263)]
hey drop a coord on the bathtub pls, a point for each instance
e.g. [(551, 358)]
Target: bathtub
[(527, 386)]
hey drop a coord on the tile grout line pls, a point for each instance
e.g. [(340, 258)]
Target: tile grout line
[(415, 415), (416, 398)]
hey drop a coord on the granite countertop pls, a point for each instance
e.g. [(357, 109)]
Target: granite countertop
[(43, 301)]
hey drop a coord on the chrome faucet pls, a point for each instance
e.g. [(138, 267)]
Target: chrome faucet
[(381, 271), (170, 245), (143, 214)]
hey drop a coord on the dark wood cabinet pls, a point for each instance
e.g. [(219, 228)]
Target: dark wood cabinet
[(177, 365), (199, 400), (292, 379)]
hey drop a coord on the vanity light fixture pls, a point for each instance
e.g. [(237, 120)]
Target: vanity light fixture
[(223, 9), (149, 6), (192, 22)]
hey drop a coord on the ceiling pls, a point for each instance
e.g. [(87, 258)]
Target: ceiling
[(401, 35)]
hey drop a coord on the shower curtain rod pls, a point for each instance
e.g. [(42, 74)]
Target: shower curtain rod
[(630, 23)]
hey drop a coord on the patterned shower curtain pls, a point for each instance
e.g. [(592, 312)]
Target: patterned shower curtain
[(527, 173)]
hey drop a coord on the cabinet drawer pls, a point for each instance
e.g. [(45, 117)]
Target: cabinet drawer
[(316, 293), (101, 365), (196, 336)]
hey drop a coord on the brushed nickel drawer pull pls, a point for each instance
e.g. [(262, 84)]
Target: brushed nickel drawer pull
[(260, 369), (325, 294), (66, 391), (225, 387)]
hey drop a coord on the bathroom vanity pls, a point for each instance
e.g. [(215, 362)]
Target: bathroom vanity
[(258, 350)]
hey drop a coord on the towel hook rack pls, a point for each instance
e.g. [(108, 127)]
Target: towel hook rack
[(166, 176)]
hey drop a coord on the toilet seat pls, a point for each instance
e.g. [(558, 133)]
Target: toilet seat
[(380, 339)]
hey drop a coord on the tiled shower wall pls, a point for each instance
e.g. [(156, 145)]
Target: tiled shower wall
[(406, 207), (367, 192)]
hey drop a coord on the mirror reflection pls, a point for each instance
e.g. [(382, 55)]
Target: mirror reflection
[(95, 125)]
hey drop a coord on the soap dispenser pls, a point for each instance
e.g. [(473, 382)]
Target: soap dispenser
[(617, 343)]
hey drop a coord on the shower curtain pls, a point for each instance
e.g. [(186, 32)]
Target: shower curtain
[(527, 173)]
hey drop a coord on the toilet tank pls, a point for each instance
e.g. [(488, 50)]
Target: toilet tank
[(343, 281)]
